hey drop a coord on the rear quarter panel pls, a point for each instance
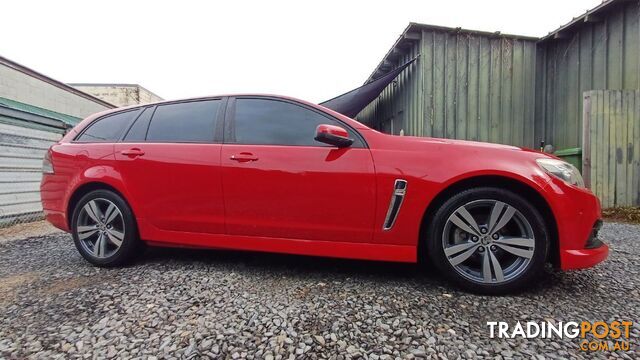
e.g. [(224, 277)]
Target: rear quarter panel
[(78, 164)]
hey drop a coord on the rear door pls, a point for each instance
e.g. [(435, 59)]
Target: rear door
[(279, 182), (170, 164)]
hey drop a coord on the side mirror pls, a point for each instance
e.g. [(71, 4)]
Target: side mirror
[(333, 135)]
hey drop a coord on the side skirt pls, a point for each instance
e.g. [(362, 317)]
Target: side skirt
[(346, 250)]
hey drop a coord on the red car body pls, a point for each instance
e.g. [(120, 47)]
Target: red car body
[(309, 200)]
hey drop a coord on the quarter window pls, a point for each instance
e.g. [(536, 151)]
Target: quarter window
[(184, 122), (272, 122), (108, 128)]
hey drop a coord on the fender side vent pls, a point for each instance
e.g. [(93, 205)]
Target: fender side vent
[(399, 190)]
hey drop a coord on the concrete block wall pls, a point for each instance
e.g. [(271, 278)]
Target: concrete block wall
[(119, 94), (19, 86)]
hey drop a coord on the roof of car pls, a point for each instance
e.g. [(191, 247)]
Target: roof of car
[(262, 95), (211, 97)]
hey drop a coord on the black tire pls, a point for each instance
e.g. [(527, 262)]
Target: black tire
[(131, 245), (528, 273)]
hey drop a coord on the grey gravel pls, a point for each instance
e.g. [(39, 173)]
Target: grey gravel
[(221, 304)]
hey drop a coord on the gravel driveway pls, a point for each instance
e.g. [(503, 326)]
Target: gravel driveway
[(219, 304)]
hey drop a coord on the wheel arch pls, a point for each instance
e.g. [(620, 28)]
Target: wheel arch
[(86, 188), (523, 189)]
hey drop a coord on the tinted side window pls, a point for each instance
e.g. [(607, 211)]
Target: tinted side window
[(138, 130), (272, 122), (184, 122), (108, 128)]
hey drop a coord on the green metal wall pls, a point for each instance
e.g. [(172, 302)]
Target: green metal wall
[(465, 85), (603, 53), (611, 161), (509, 89), (399, 105)]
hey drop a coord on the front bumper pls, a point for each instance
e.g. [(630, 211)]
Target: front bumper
[(594, 252), (578, 218), (584, 258)]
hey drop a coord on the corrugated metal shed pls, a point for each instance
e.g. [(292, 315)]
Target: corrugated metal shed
[(466, 85), (507, 88), (596, 51), (26, 132)]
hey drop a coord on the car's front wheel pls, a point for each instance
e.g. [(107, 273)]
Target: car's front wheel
[(488, 240), (104, 230)]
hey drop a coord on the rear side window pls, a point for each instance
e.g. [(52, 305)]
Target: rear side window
[(138, 130), (108, 128), (184, 122)]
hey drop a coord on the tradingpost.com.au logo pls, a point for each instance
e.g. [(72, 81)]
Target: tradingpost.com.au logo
[(594, 336)]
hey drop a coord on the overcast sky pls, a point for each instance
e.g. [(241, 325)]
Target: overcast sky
[(312, 50)]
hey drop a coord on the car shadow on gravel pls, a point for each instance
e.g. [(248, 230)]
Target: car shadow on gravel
[(301, 265), (306, 267)]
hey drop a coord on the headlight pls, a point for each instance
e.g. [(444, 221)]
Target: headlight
[(562, 170)]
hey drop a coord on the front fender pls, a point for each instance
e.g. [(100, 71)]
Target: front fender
[(431, 172)]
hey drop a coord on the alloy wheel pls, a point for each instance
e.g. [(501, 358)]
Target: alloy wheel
[(100, 228), (488, 241)]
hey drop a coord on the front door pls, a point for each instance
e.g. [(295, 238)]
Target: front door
[(279, 182)]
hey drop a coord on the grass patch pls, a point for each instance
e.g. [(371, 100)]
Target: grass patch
[(628, 214)]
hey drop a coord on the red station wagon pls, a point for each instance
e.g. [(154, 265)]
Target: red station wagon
[(276, 174)]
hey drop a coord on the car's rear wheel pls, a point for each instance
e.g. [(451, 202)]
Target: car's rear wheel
[(104, 230), (488, 240)]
